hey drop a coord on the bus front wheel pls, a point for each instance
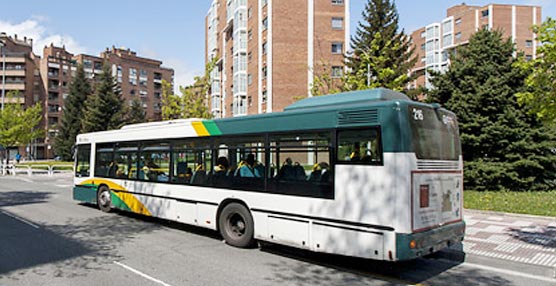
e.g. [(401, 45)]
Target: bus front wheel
[(236, 225), (104, 201)]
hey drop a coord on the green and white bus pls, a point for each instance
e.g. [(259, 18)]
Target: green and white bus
[(368, 174)]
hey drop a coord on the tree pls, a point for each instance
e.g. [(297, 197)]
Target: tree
[(323, 81), (193, 100), (135, 113), (19, 126), (171, 103), (104, 109), (503, 146), (79, 90), (382, 56), (540, 95)]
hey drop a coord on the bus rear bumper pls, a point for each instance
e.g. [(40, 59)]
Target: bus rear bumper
[(414, 245)]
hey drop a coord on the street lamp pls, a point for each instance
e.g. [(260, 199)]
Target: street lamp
[(368, 67), (3, 47)]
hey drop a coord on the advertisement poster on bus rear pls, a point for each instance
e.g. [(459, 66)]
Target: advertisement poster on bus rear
[(437, 199)]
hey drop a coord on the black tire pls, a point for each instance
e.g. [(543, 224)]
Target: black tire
[(104, 200), (236, 225)]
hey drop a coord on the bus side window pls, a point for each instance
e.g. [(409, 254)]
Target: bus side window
[(359, 146)]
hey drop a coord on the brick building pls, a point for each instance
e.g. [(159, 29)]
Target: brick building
[(47, 81), (269, 51), (434, 42)]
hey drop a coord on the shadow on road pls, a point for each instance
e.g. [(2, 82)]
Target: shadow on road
[(326, 269), (23, 198), (70, 249), (541, 235)]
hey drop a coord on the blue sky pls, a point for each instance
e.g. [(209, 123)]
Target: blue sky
[(170, 30)]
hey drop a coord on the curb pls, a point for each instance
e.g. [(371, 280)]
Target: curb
[(525, 216)]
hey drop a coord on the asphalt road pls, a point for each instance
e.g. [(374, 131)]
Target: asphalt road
[(46, 238)]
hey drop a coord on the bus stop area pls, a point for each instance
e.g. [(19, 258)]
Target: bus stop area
[(511, 237)]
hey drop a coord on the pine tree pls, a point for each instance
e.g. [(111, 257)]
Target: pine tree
[(503, 146), (136, 112), (73, 111), (104, 110), (381, 55)]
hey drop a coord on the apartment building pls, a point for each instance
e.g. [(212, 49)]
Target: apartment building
[(21, 74), (47, 81), (434, 42), (269, 51)]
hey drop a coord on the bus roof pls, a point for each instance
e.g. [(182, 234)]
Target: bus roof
[(356, 108), (348, 98)]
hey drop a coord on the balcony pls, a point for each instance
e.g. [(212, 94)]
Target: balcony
[(15, 85), (17, 99), (14, 72), (54, 65)]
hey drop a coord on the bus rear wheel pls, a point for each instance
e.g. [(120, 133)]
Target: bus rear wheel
[(104, 200), (236, 225)]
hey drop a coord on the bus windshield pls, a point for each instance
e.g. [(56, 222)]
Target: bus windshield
[(434, 134)]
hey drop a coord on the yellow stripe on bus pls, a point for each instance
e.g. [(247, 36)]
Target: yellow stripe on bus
[(200, 128), (133, 203)]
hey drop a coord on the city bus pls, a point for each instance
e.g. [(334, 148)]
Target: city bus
[(368, 174)]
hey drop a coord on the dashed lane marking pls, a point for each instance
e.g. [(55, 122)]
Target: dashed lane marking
[(141, 274), (20, 219)]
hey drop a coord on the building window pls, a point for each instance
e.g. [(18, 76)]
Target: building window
[(458, 21), (133, 76), (423, 46), (528, 58), (423, 35), (264, 2), (264, 48), (484, 13), (250, 34), (337, 2), (250, 12), (264, 69), (249, 79), (458, 36), (528, 43), (337, 23), (264, 96), (249, 56), (337, 71), (265, 23), (98, 66), (337, 47), (143, 77), (87, 64)]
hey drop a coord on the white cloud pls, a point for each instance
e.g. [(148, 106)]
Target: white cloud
[(35, 29)]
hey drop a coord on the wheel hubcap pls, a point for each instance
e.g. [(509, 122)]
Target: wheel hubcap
[(104, 198), (237, 225)]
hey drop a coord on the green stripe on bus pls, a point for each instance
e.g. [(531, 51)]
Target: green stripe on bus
[(212, 128), (118, 203), (85, 193)]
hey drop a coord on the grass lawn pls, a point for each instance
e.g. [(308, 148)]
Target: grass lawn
[(533, 203)]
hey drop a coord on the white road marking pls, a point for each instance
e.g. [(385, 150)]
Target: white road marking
[(63, 186), (509, 272), (141, 274), (20, 219), (26, 180)]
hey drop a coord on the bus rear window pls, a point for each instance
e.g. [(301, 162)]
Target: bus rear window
[(434, 134)]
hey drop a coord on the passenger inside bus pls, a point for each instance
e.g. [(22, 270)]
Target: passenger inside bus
[(248, 168)]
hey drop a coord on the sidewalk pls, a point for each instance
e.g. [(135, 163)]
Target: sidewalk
[(519, 238)]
